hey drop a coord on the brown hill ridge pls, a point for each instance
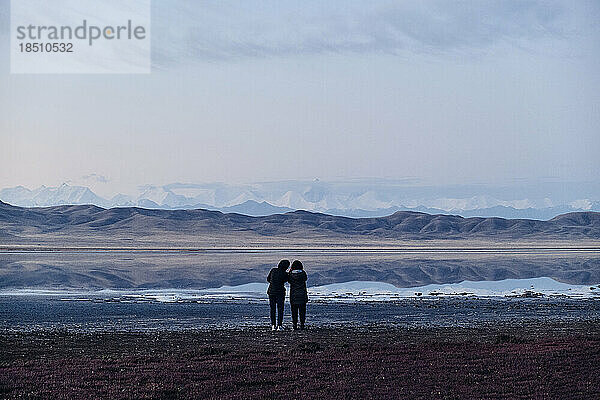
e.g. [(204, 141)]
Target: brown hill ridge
[(16, 221)]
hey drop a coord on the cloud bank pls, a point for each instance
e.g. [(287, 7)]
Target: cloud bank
[(229, 30)]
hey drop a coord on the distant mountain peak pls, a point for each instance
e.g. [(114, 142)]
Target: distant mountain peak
[(352, 199)]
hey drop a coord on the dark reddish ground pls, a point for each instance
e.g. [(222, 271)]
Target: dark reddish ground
[(488, 363)]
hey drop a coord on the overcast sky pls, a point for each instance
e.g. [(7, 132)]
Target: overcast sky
[(460, 92)]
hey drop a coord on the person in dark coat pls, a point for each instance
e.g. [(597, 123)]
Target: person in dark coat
[(276, 278), (298, 293)]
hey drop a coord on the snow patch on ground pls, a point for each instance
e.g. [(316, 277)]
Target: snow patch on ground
[(346, 292), (534, 287)]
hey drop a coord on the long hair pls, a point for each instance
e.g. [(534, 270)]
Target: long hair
[(283, 264), (297, 265)]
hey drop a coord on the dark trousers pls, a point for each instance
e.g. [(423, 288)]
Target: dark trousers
[(276, 301), (302, 309)]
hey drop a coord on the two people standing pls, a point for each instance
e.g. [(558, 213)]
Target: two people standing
[(298, 294)]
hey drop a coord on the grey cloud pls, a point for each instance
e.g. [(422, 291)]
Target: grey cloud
[(236, 30), (225, 30), (4, 17)]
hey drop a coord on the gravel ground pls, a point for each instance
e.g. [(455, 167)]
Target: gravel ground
[(492, 361)]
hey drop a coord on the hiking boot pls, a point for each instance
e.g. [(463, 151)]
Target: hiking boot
[(273, 328), (280, 328)]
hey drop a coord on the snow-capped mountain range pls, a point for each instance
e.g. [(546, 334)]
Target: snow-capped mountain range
[(354, 198)]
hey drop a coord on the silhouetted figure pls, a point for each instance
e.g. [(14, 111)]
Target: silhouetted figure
[(298, 293), (276, 278)]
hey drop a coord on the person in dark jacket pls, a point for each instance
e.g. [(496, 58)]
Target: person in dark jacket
[(298, 293), (276, 278)]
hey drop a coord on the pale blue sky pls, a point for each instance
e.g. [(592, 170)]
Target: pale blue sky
[(461, 92)]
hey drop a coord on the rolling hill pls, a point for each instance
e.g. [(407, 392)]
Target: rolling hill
[(85, 246), (19, 221)]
